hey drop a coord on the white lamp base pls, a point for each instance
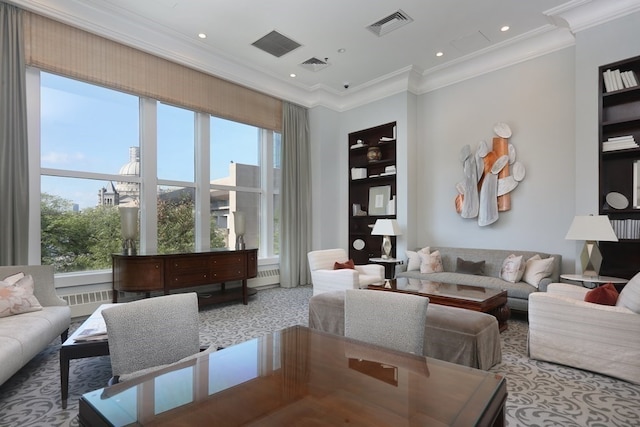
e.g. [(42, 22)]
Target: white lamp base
[(591, 259), (386, 247)]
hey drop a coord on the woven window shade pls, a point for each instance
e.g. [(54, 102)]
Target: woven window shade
[(61, 49)]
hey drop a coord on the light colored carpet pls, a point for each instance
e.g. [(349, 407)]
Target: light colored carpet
[(540, 394)]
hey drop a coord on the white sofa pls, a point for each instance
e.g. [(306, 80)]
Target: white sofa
[(565, 329), (325, 279), (23, 336)]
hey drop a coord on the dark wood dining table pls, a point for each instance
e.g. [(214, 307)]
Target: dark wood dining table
[(301, 376)]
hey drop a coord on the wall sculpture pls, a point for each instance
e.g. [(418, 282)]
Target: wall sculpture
[(490, 174)]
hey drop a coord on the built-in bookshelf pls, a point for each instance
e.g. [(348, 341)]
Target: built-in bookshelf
[(372, 188), (619, 164)]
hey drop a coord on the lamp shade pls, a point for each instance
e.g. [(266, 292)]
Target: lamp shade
[(591, 228), (129, 221), (386, 227), (238, 223)]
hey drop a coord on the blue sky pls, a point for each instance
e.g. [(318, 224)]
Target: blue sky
[(88, 128)]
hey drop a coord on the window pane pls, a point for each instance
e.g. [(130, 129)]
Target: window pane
[(276, 224), (235, 153), (176, 219), (85, 127), (176, 142), (223, 204), (277, 154), (77, 234)]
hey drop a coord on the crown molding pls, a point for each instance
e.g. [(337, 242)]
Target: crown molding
[(579, 15), (565, 21)]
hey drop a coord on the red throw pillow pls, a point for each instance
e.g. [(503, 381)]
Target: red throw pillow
[(340, 265), (605, 295)]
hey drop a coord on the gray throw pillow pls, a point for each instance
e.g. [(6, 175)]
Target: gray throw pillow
[(469, 267)]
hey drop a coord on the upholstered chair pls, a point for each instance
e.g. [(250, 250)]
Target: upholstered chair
[(325, 278), (387, 319), (152, 333), (566, 329)]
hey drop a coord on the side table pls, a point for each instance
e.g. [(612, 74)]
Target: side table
[(389, 265), (593, 281)]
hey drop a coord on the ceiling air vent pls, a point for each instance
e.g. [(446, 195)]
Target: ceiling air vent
[(276, 44), (390, 23), (314, 64)]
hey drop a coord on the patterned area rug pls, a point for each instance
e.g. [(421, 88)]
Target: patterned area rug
[(540, 394)]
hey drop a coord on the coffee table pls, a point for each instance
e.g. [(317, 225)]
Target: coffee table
[(75, 348), (474, 298)]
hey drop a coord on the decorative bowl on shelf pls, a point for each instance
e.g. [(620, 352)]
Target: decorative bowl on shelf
[(374, 154)]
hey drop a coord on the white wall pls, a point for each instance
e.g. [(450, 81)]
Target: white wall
[(536, 98), (330, 167)]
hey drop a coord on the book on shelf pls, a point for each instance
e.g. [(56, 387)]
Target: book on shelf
[(616, 79), (619, 143)]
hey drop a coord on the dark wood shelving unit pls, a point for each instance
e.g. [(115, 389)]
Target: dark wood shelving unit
[(619, 115), (360, 226)]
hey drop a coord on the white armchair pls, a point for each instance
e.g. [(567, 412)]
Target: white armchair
[(324, 278), (565, 329)]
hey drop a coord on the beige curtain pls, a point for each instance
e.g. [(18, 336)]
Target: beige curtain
[(296, 197), (62, 49), (14, 172)]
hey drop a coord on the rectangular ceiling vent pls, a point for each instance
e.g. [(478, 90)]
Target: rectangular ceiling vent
[(314, 64), (390, 23), (276, 44)]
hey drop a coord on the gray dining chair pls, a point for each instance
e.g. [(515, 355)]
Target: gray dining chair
[(389, 319), (152, 333)]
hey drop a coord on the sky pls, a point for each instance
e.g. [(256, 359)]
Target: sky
[(89, 128)]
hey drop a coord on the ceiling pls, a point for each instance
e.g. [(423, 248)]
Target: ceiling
[(335, 32)]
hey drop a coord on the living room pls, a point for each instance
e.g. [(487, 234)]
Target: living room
[(548, 95)]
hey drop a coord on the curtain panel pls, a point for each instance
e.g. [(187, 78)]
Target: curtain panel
[(62, 49), (14, 171), (296, 197)]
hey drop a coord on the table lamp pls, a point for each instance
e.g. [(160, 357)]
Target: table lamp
[(386, 228), (591, 229), (129, 226), (239, 229)]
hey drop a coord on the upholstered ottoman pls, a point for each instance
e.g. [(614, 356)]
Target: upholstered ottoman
[(451, 334)]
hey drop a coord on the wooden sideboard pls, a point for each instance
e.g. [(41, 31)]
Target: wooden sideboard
[(173, 272)]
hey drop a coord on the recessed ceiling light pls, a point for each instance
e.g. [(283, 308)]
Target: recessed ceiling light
[(292, 75), (504, 28), (202, 35), (439, 53), (342, 50)]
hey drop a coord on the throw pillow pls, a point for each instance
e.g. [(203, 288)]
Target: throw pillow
[(537, 269), (413, 259), (341, 265), (470, 267), (13, 278), (630, 295), (605, 295), (512, 268), (430, 262), (18, 298)]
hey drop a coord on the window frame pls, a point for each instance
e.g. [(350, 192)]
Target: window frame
[(148, 183)]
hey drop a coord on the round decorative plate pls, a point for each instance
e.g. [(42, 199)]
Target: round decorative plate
[(358, 244), (502, 130), (617, 200)]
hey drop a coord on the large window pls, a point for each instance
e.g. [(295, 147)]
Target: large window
[(187, 171)]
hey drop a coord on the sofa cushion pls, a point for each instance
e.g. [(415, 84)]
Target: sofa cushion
[(18, 298), (470, 267), (341, 265), (537, 269), (512, 268), (430, 262), (605, 295), (413, 258), (630, 295)]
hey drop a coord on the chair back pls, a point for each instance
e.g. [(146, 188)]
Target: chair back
[(325, 258), (152, 332), (389, 319)]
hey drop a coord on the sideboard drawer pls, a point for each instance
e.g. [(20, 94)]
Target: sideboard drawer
[(229, 267), (134, 274), (186, 271)]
